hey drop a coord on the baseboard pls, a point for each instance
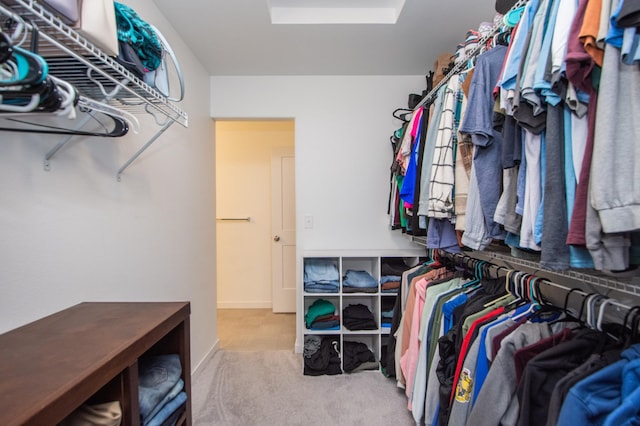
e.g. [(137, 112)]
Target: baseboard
[(209, 353), (298, 346), (244, 305)]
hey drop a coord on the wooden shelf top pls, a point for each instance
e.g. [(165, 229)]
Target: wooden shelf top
[(52, 365)]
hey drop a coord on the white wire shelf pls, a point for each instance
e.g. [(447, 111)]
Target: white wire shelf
[(73, 58)]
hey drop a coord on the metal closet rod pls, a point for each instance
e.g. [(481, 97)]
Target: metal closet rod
[(558, 295), (429, 97)]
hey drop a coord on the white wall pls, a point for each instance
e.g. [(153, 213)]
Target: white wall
[(343, 153), (76, 234), (244, 152)]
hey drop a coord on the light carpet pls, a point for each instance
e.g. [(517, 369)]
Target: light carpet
[(234, 388)]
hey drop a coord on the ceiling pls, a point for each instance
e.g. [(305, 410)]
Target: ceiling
[(237, 38)]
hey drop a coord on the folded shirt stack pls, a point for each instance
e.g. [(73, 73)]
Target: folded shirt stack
[(321, 276), (161, 390), (390, 283), (321, 315), (359, 282), (386, 311), (358, 317), (357, 357)]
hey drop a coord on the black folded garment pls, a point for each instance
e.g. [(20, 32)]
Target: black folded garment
[(358, 317), (394, 266), (326, 360), (355, 354)]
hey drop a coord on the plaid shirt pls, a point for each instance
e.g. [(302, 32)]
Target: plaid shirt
[(441, 188)]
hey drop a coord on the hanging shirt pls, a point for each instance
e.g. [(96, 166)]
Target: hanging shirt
[(500, 386), (533, 190), (614, 163), (568, 27), (407, 193), (534, 54), (542, 372), (603, 29), (476, 235), (427, 154), (464, 156), (555, 252), (508, 77), (579, 257), (478, 122), (418, 362), (589, 31), (441, 205), (542, 78), (579, 66), (475, 369), (593, 399)]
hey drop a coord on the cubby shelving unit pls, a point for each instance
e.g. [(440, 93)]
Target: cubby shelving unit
[(358, 261)]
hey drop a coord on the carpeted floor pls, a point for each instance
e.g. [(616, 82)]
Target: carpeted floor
[(240, 388)]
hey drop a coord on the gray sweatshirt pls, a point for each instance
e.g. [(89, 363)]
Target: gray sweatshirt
[(494, 404)]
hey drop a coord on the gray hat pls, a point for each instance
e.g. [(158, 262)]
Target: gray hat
[(503, 6)]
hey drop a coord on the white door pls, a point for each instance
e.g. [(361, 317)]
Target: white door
[(283, 244)]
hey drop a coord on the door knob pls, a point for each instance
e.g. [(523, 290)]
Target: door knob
[(276, 238)]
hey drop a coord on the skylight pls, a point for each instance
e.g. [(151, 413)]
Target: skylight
[(335, 11)]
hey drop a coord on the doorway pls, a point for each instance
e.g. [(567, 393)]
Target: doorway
[(244, 199)]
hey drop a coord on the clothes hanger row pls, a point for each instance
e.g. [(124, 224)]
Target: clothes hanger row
[(527, 288), (514, 14), (27, 89)]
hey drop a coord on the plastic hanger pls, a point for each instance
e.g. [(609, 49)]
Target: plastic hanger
[(592, 310), (566, 300), (519, 284), (601, 310), (628, 333), (50, 98), (112, 126), (634, 328), (518, 301), (582, 306), (30, 68), (538, 305), (31, 105), (93, 105), (6, 47), (19, 34), (477, 275), (406, 116), (70, 97), (568, 316), (168, 51), (506, 296)]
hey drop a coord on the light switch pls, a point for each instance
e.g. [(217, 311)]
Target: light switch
[(308, 221)]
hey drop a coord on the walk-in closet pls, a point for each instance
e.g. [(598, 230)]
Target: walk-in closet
[(239, 212)]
